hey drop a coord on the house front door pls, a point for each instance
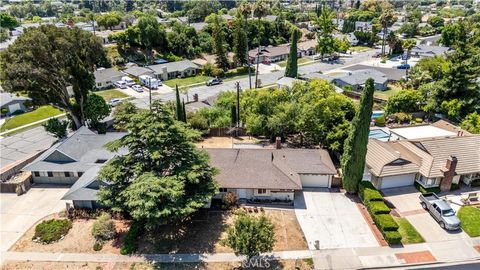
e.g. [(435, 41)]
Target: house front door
[(242, 193)]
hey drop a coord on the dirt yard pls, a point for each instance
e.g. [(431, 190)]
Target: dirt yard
[(284, 264), (204, 232), (224, 142), (78, 240)]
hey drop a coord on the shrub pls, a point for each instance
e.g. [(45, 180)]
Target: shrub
[(454, 187), (130, 243), (364, 185), (475, 183), (103, 228), (392, 237), (380, 121), (229, 199), (52, 230), (376, 207), (98, 245), (385, 222), (427, 190), (372, 195)]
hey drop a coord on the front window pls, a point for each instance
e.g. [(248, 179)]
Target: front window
[(223, 190), (261, 191)]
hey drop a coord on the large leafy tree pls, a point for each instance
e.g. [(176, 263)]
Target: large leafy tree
[(406, 101), (326, 26), (8, 21), (163, 176), (95, 110), (240, 45), (251, 235), (292, 64), (353, 159), (219, 43), (471, 123), (109, 20), (53, 65)]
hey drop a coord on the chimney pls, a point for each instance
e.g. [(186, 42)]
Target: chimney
[(448, 173), (278, 142), (195, 97)]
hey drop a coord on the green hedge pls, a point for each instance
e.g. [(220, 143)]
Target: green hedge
[(376, 207), (475, 183), (52, 230), (130, 243), (426, 190), (385, 222), (372, 195), (364, 185), (392, 237)]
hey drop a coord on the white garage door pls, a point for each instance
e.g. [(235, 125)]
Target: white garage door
[(315, 180), (397, 181)]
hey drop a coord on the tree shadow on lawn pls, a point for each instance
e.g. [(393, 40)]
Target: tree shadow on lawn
[(201, 233)]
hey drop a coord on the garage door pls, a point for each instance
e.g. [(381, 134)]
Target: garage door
[(397, 181), (315, 180)]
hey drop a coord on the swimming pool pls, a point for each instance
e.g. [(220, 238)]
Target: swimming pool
[(379, 134), (376, 114)]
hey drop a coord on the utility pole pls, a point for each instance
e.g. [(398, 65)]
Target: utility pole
[(150, 91), (238, 109), (258, 63)]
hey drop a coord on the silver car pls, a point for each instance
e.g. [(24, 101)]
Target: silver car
[(440, 211)]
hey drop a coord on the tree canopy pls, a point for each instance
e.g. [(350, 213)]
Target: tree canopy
[(163, 176), (53, 65)]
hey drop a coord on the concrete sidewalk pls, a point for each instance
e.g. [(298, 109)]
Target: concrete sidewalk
[(347, 258)]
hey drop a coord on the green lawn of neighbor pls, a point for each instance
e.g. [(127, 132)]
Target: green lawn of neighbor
[(408, 232), (111, 94), (359, 48), (470, 218), (386, 94), (181, 82), (300, 61), (30, 117)]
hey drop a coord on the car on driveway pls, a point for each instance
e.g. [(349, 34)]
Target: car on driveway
[(440, 211), (114, 102), (403, 66), (214, 81), (137, 88)]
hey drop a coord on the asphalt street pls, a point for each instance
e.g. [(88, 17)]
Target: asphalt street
[(205, 92)]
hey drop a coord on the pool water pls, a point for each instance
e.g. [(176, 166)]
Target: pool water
[(378, 134)]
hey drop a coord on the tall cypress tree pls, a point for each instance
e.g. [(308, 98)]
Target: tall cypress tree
[(240, 41), (178, 105), (219, 44), (292, 63), (355, 149), (233, 115), (184, 112)]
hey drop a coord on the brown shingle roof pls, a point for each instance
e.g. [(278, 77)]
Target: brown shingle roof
[(268, 168)]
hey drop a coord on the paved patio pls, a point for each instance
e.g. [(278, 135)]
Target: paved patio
[(332, 219)]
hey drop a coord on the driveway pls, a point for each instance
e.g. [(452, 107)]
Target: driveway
[(19, 213), (407, 204), (332, 219)]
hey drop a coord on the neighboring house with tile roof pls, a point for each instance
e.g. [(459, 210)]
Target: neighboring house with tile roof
[(271, 54), (428, 51), (75, 161), (273, 174), (172, 70), (432, 162)]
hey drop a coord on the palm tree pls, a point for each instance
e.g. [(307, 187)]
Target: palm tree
[(408, 45), (260, 10), (386, 19), (326, 26)]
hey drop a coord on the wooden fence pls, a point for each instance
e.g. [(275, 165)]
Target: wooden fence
[(226, 132)]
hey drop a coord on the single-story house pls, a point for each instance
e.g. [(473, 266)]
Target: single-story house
[(287, 82), (273, 174), (137, 71), (393, 74), (433, 162), (10, 103), (363, 26), (308, 47), (356, 79), (103, 36), (420, 132), (270, 54), (212, 59), (199, 26), (75, 159), (317, 75), (428, 51), (172, 70), (106, 77)]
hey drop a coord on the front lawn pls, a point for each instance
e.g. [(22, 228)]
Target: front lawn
[(470, 218), (359, 48), (300, 61), (204, 232), (30, 117), (111, 94), (386, 94), (181, 82), (408, 232)]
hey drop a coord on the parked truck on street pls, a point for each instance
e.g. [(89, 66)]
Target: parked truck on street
[(440, 211)]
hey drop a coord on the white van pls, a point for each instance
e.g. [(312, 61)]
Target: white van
[(129, 81), (120, 84)]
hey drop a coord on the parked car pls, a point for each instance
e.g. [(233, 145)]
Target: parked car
[(129, 81), (114, 102), (403, 66), (137, 88), (214, 81), (440, 211), (120, 84)]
